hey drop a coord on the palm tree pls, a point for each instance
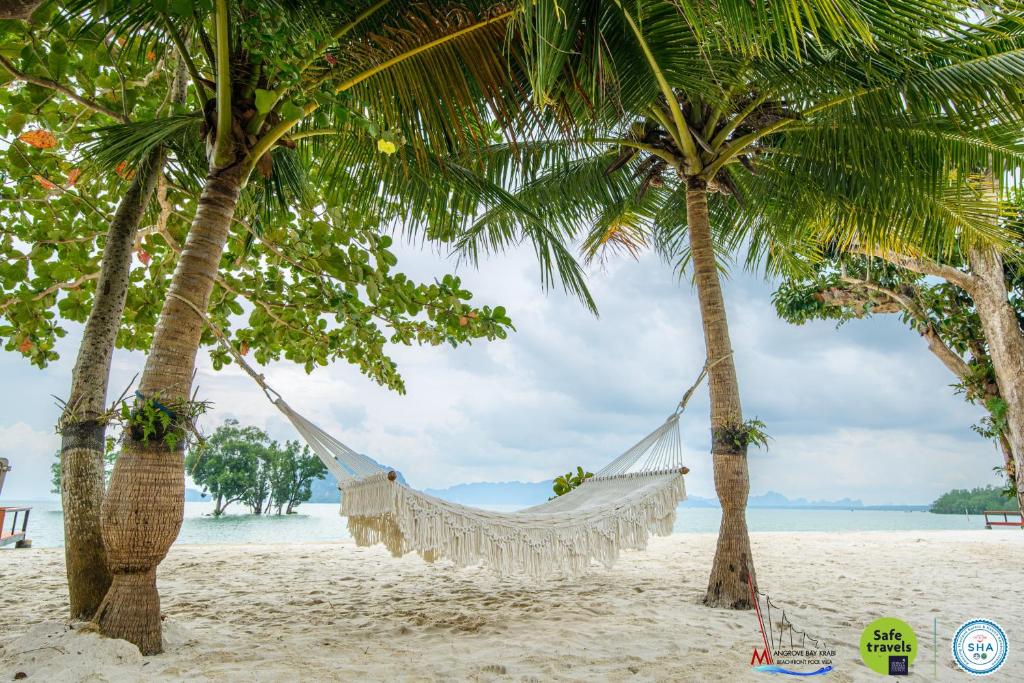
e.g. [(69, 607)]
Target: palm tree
[(679, 132), (420, 77), (83, 423)]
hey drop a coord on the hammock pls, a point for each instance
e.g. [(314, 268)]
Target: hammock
[(632, 497)]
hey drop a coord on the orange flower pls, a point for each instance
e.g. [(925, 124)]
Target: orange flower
[(44, 182), (40, 139), (26, 345), (150, 56), (73, 176)]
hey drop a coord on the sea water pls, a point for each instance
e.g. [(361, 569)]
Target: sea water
[(320, 522)]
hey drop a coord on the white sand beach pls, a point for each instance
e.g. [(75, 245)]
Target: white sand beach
[(335, 612)]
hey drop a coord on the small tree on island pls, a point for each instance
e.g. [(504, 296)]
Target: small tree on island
[(243, 464), (225, 466), (292, 476)]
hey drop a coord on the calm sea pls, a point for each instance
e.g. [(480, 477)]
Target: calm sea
[(322, 523)]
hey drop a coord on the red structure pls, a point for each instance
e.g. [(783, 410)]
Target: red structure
[(10, 530), (1010, 518)]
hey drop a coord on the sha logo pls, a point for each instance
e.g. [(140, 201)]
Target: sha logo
[(980, 647)]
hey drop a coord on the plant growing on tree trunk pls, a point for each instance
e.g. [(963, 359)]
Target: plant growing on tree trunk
[(686, 124), (271, 78)]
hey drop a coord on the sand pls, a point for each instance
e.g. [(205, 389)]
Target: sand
[(335, 612)]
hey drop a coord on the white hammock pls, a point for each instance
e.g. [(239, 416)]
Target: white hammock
[(618, 509), (631, 498)]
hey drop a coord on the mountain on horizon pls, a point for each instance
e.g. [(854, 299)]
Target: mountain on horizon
[(523, 494), (326, 490)]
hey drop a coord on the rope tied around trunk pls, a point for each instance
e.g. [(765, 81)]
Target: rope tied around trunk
[(700, 378)]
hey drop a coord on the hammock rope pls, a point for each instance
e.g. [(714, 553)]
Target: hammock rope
[(631, 498)]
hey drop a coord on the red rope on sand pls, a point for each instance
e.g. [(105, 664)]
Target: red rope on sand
[(757, 609)]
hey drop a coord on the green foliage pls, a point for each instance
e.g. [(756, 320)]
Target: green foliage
[(570, 480), (242, 464), (993, 425), (740, 437), (55, 208), (291, 476), (226, 465), (974, 501), (308, 275), (109, 458), (156, 418), (869, 132)]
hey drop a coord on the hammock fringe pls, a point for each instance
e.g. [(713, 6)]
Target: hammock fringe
[(563, 536)]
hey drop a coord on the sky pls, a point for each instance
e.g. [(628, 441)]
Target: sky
[(863, 411)]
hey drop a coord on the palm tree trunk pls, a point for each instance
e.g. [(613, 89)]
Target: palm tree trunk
[(18, 9), (143, 509), (1005, 342), (733, 563), (82, 427)]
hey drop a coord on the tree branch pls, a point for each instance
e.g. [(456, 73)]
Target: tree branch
[(925, 266), (179, 43), (952, 360), (62, 89), (222, 144), (56, 287)]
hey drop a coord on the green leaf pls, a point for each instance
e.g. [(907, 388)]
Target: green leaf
[(290, 110), (181, 8), (265, 100), (15, 122)]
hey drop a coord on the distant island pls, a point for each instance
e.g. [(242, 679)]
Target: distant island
[(973, 501), (520, 494)]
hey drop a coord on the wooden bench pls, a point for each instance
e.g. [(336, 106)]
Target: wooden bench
[(1006, 521), (12, 533)]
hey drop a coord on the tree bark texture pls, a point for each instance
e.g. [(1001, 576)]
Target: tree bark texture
[(733, 564), (18, 9), (1005, 341), (143, 509), (82, 427)]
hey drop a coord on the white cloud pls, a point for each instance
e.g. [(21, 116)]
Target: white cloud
[(30, 452)]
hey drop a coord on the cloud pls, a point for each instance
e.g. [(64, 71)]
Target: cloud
[(877, 466), (30, 452), (569, 388)]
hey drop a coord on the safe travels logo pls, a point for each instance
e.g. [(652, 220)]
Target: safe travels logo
[(889, 646)]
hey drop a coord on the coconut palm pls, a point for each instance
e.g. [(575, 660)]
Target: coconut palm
[(677, 128), (418, 78)]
